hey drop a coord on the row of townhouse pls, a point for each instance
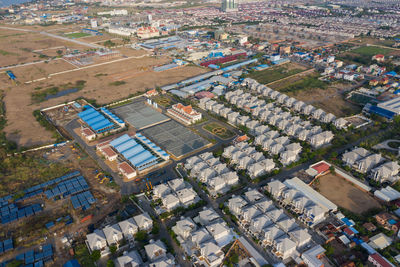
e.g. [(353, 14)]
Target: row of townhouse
[(203, 237), (212, 172), (245, 157), (113, 234), (276, 116), (175, 193), (379, 168), (294, 104), (309, 210), (262, 220), (156, 252)]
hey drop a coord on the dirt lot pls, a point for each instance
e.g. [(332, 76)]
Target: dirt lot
[(15, 50), (24, 129), (31, 231), (345, 194), (330, 99)]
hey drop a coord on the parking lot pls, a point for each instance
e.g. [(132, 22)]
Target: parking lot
[(140, 115), (175, 138)]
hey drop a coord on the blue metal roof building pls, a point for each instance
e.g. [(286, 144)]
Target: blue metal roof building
[(134, 152), (95, 120)]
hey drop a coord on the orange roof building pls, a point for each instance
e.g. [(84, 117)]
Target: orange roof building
[(88, 134), (151, 93), (147, 32), (109, 153), (127, 170), (184, 113)]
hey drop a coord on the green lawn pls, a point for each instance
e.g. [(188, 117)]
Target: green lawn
[(76, 35), (371, 50), (218, 130), (273, 74), (307, 82)]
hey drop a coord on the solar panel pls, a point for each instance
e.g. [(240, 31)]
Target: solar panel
[(39, 264)]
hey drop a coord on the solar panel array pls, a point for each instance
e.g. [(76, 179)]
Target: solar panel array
[(83, 200), (6, 246), (67, 188), (134, 152), (95, 120), (34, 258), (11, 212), (37, 189), (112, 115), (63, 186)]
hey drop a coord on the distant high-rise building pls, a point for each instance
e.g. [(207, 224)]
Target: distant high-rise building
[(229, 5), (149, 18)]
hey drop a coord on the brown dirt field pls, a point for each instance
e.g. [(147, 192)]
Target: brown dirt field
[(330, 100), (345, 194), (23, 128), (39, 70), (15, 50)]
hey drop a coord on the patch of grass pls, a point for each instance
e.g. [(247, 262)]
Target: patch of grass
[(117, 83), (6, 53), (219, 130), (371, 50), (163, 101), (308, 82), (76, 35), (83, 256), (41, 95), (100, 74), (273, 74), (360, 99), (394, 144), (23, 171)]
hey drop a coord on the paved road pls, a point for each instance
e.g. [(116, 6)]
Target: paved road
[(126, 187), (179, 253), (215, 205)]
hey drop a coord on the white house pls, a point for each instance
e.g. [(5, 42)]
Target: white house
[(184, 228), (131, 259), (212, 254), (96, 240), (128, 228), (170, 202), (155, 250), (144, 221), (284, 248)]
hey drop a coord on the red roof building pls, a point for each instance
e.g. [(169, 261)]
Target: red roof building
[(127, 170), (348, 232), (379, 261), (321, 167), (109, 153), (88, 134)]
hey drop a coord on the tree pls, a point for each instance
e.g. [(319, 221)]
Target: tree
[(141, 236), (59, 52), (14, 263), (113, 249), (96, 255), (110, 263), (156, 228), (332, 170)]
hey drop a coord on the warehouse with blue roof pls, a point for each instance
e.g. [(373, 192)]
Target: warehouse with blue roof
[(140, 152), (100, 122)]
